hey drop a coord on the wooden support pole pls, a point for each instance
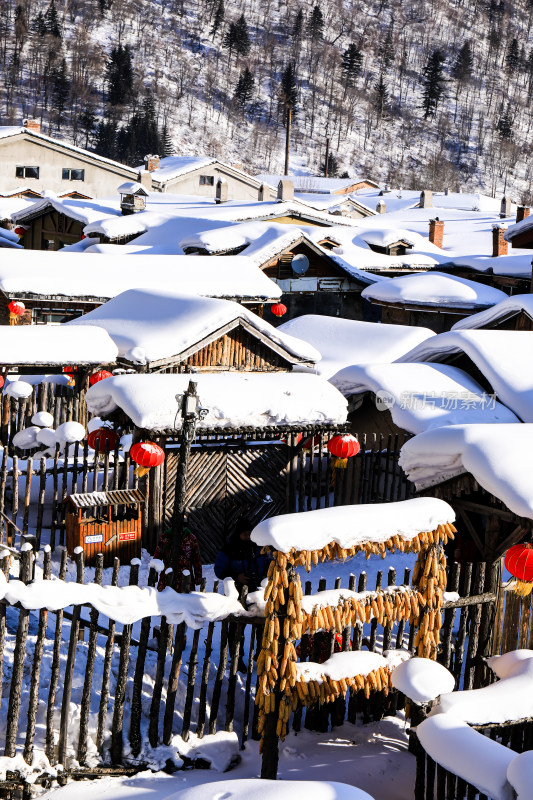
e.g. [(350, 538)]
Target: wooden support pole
[(188, 430)]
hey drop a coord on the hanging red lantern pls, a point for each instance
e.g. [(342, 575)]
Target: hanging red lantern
[(20, 231), (278, 309), (312, 442), (1, 382), (101, 375), (343, 447), (103, 439), (146, 455), (519, 562), (16, 309)]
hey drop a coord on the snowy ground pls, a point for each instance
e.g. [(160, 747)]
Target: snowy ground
[(371, 757)]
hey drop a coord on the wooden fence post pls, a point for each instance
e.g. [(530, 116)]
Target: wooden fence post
[(89, 668), (136, 696)]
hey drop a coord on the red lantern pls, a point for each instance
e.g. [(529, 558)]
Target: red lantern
[(343, 448), (16, 309), (146, 455), (101, 375), (519, 562), (278, 309), (1, 381), (20, 231), (103, 439)]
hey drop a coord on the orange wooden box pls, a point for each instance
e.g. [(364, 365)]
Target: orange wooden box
[(105, 522)]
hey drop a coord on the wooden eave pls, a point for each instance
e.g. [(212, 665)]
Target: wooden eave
[(522, 241), (458, 310), (229, 326), (266, 432)]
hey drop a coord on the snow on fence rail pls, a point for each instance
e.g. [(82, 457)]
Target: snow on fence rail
[(81, 690)]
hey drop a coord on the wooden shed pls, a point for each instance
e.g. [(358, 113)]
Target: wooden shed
[(105, 522)]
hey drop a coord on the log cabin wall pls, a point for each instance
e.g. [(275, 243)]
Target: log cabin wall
[(235, 350), (51, 231)]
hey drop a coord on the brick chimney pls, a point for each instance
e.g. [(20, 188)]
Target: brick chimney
[(499, 245), (285, 190), (151, 163), (522, 212), (32, 125), (436, 231)]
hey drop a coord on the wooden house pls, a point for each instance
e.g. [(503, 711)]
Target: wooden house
[(248, 431), (513, 314), (167, 331)]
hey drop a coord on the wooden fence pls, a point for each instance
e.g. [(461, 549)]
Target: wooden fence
[(34, 498), (126, 690), (63, 402)]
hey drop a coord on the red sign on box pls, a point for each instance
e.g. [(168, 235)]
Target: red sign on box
[(129, 536)]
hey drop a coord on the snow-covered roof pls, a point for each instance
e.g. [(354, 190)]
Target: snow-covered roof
[(343, 342), (93, 275), (503, 357), (512, 265), (84, 211), (13, 130), (132, 187), (311, 184), (434, 289), (423, 396), (259, 789), (350, 526), (172, 167), (499, 457), (55, 344), (151, 325), (498, 313), (520, 227), (385, 237), (334, 202), (233, 399)]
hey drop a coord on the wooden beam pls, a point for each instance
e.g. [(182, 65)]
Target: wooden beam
[(479, 508), (472, 531)]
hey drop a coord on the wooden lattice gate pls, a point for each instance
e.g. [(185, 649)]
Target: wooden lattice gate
[(225, 481)]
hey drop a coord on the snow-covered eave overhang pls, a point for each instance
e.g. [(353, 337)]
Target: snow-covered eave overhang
[(22, 294), (178, 358), (435, 309)]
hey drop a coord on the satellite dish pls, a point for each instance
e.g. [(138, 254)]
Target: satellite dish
[(300, 264)]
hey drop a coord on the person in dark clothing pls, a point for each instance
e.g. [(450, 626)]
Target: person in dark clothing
[(241, 559)]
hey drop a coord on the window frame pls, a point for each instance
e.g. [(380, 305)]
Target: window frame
[(207, 180), (69, 177), (21, 170)]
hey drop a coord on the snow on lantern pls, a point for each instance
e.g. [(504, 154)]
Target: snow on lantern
[(101, 375), (20, 231), (103, 439), (519, 562), (278, 309), (16, 309), (343, 448), (146, 455)]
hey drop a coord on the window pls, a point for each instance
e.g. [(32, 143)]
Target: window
[(207, 180), (27, 172), (73, 174)]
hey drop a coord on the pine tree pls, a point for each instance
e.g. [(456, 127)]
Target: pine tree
[(39, 25), (242, 37), (433, 80), (60, 90), (297, 26), (87, 122), (352, 63), (333, 166), (245, 88), (106, 139), (463, 64), (119, 74), (166, 147), (386, 50), (504, 126), (219, 18), (315, 26), (289, 88), (381, 96), (105, 5), (51, 20), (512, 58)]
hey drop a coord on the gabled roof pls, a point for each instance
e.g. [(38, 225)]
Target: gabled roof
[(84, 211), (11, 131), (154, 326), (314, 184), (502, 357), (491, 317)]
